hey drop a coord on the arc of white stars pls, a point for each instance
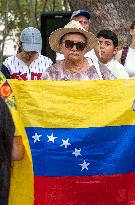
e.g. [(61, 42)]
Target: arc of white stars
[(77, 152), (84, 165), (51, 138), (36, 137), (65, 143)]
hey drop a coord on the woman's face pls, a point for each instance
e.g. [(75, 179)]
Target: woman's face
[(73, 46), (29, 55)]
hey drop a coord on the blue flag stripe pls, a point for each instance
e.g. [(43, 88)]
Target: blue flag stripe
[(82, 151)]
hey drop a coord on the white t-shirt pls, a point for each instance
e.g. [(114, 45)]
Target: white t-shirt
[(117, 69), (130, 63), (19, 70)]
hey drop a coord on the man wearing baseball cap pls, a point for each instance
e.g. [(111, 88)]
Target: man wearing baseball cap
[(28, 64), (84, 18)]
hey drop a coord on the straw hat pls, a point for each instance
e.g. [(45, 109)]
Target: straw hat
[(72, 27)]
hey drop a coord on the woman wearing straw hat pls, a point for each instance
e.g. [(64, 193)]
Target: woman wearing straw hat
[(74, 41)]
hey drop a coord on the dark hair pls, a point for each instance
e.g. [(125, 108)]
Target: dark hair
[(19, 50), (108, 34), (132, 25), (7, 130), (73, 33)]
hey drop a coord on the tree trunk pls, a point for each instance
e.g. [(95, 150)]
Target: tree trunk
[(65, 4), (21, 15), (36, 19), (32, 13), (2, 46), (44, 5), (4, 32), (116, 15)]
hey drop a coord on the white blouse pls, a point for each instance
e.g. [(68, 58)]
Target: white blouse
[(130, 62)]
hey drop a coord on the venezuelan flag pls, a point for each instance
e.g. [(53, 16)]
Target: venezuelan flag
[(82, 137), (21, 191)]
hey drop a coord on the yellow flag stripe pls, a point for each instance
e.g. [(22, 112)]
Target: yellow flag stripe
[(77, 104)]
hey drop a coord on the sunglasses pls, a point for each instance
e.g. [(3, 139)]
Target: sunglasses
[(70, 44)]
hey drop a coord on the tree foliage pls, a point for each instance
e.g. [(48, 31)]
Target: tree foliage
[(15, 15)]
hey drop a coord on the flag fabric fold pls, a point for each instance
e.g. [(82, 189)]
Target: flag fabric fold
[(81, 136)]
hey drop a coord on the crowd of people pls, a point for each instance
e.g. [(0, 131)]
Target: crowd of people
[(73, 41), (80, 55), (28, 64)]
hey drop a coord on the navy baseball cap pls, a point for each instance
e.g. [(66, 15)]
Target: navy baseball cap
[(82, 12)]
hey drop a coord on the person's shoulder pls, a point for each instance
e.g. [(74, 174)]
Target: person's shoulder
[(59, 56), (118, 55), (90, 54), (117, 64), (118, 70), (9, 59), (106, 72), (45, 58), (56, 66), (52, 71)]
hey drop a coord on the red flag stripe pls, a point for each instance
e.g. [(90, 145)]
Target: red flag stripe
[(89, 190)]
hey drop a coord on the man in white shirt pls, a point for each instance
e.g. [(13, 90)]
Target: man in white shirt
[(108, 46), (28, 64), (126, 56)]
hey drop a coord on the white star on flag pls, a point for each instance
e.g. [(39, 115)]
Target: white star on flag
[(51, 138), (84, 165), (65, 143), (36, 137), (77, 152)]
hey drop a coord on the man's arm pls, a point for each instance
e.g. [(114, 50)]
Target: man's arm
[(18, 149), (5, 71)]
